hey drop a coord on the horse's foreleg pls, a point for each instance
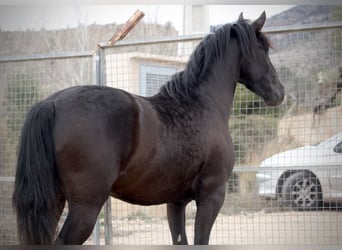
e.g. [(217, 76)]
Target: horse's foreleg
[(176, 218), (207, 210)]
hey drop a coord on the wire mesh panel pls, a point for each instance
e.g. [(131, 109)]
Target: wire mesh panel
[(273, 196), (269, 201), (24, 82)]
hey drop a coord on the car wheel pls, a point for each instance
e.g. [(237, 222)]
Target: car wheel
[(302, 191)]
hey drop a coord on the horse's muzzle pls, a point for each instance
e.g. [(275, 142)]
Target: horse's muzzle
[(276, 96)]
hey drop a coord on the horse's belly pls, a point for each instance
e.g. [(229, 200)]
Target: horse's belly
[(151, 191), (149, 198)]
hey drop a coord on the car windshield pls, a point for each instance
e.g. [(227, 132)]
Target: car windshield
[(328, 141)]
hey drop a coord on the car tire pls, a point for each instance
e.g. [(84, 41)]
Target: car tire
[(302, 191)]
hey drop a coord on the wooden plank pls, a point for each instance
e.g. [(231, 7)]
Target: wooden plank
[(127, 27)]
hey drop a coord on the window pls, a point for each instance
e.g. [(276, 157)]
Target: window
[(338, 148), (153, 77)]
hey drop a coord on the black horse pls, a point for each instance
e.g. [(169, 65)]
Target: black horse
[(86, 143)]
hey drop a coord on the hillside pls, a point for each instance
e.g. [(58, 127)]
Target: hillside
[(82, 38), (303, 14), (295, 54), (87, 37), (301, 56)]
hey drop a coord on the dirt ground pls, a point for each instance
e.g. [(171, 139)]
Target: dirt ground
[(241, 228)]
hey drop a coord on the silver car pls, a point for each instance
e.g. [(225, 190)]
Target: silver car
[(304, 177)]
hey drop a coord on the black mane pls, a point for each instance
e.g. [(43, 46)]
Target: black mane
[(183, 85)]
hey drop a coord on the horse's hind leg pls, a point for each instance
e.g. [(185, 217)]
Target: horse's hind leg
[(79, 223), (85, 196), (176, 218), (60, 208)]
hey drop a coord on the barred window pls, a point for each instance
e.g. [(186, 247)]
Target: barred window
[(153, 77)]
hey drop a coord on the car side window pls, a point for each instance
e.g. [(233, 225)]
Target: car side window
[(338, 148)]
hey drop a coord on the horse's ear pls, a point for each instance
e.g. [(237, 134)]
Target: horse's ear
[(259, 23), (241, 17)]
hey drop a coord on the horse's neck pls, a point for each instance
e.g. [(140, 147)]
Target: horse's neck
[(215, 94), (220, 86)]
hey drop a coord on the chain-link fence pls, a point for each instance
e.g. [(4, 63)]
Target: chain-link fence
[(263, 204)]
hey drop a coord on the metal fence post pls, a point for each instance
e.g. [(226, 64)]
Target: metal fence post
[(96, 68), (96, 233), (96, 81), (102, 63), (108, 222), (108, 205)]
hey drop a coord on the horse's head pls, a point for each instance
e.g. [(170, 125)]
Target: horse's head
[(257, 72)]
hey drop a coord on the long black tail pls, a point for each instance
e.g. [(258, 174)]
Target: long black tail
[(35, 190)]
